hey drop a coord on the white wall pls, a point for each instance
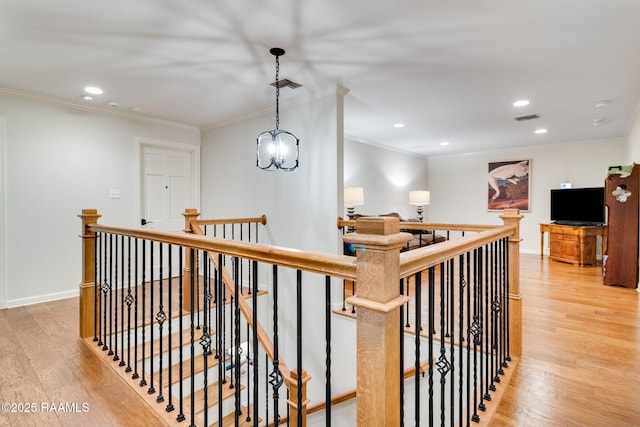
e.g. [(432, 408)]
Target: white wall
[(59, 160), (458, 184), (386, 176), (301, 206), (632, 143)]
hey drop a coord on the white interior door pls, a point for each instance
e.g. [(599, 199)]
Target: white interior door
[(167, 186)]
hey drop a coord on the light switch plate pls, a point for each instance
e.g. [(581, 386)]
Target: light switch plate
[(114, 193)]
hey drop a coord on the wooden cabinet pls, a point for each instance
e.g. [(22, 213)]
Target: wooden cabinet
[(573, 244), (621, 267)]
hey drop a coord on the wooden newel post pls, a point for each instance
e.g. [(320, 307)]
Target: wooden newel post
[(512, 217), (190, 215), (378, 300), (87, 286), (292, 385)]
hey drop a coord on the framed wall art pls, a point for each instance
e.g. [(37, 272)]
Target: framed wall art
[(509, 184)]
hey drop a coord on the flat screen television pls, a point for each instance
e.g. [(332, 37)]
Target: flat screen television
[(578, 206)]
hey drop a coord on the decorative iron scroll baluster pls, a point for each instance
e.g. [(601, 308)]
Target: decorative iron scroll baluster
[(442, 364), (476, 332), (275, 376), (463, 289), (486, 325), (129, 301), (151, 389), (452, 332), (161, 317), (205, 342), (104, 287)]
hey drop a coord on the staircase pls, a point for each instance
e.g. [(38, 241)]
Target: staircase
[(162, 389)]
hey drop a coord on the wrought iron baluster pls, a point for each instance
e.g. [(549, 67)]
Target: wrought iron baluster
[(219, 334), (276, 375), (143, 380), (121, 291), (418, 316), (486, 325), (298, 341), (254, 346), (161, 317), (205, 340), (327, 334), (431, 326), (236, 331), (180, 417), (476, 332), (443, 364), (151, 389), (96, 285), (111, 256), (507, 298), (170, 406), (129, 300), (135, 374), (192, 306)]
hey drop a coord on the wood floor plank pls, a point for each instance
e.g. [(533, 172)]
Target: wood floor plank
[(580, 364)]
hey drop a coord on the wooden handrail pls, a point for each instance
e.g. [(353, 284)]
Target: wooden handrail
[(261, 219), (414, 261), (423, 226), (263, 337), (340, 266)]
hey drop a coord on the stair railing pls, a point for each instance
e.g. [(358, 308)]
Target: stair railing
[(377, 268)]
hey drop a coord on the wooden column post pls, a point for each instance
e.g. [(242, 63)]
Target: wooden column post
[(292, 385), (87, 286), (378, 300), (512, 217), (190, 215)]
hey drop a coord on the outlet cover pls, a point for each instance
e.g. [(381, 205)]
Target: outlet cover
[(114, 193)]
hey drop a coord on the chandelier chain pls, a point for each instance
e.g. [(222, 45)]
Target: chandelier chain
[(277, 92)]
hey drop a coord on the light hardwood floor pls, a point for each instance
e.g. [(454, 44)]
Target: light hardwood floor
[(580, 365)]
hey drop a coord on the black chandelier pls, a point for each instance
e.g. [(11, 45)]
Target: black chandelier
[(277, 149)]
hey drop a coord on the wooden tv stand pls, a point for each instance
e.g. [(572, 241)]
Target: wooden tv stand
[(575, 244)]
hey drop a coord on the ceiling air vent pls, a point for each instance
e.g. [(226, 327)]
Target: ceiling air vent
[(286, 83), (528, 117)]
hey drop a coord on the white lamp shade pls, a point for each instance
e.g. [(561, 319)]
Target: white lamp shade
[(354, 196), (419, 198)]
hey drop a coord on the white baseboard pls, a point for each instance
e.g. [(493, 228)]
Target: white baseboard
[(39, 298)]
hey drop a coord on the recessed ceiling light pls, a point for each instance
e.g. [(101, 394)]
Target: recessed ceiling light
[(113, 104), (93, 90), (398, 125), (598, 122), (87, 98), (443, 143), (540, 131), (602, 104), (521, 103), (136, 109)]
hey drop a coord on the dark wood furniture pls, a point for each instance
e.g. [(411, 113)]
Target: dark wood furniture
[(621, 262), (573, 244)]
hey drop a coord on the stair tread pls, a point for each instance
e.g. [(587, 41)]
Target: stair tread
[(212, 395), (230, 419), (198, 363), (175, 342)]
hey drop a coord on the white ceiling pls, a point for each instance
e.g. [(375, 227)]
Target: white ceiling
[(449, 70)]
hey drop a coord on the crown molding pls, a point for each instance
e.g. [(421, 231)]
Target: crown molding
[(93, 108)]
